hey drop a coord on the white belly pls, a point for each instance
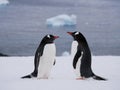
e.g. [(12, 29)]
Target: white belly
[(73, 52), (46, 61), (74, 49)]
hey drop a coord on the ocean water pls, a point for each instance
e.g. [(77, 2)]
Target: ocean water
[(23, 24)]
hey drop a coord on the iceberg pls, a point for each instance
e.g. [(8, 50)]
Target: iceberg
[(65, 53), (4, 2), (62, 20)]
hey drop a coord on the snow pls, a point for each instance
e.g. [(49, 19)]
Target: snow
[(62, 75), (62, 20), (4, 2)]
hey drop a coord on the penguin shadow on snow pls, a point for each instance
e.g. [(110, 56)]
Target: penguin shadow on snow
[(81, 55), (44, 58)]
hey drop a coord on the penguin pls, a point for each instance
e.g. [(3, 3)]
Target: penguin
[(81, 56), (44, 58)]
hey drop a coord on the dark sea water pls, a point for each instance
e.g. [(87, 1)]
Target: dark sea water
[(23, 24)]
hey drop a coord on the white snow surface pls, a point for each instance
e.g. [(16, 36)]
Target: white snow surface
[(62, 75), (62, 20)]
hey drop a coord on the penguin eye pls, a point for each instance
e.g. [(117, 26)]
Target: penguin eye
[(76, 33), (48, 36)]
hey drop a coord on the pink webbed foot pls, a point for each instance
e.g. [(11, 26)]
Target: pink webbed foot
[(80, 78)]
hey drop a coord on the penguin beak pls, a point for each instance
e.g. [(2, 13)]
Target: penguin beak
[(56, 37), (70, 33)]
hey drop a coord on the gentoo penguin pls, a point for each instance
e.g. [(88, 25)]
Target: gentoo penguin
[(82, 57), (44, 58)]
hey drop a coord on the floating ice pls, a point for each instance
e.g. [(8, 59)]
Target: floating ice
[(62, 20), (4, 2), (66, 53)]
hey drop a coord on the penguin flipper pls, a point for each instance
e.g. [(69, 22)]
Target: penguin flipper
[(54, 62), (76, 58), (99, 78)]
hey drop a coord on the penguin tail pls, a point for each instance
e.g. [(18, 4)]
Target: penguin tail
[(27, 76), (99, 78), (34, 74)]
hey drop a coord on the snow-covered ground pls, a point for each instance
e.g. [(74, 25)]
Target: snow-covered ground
[(62, 75)]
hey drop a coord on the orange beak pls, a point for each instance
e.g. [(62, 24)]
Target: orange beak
[(56, 37), (70, 33)]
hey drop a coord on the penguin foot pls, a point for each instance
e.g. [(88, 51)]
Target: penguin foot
[(80, 78)]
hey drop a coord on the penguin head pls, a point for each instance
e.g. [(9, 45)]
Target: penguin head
[(77, 36), (49, 38)]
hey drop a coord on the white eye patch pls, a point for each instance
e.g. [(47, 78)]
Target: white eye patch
[(48, 36), (76, 33)]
